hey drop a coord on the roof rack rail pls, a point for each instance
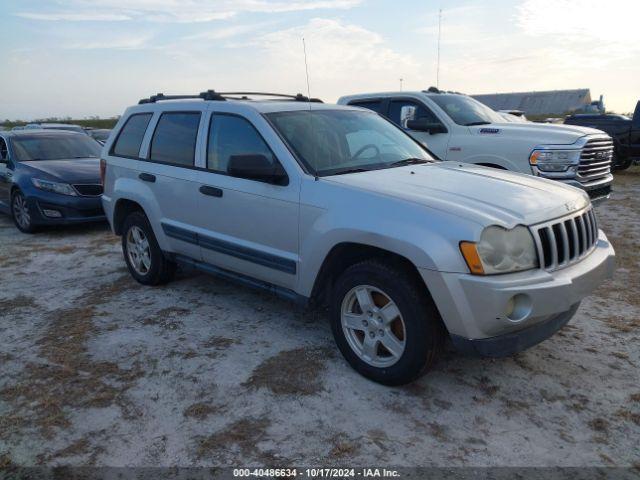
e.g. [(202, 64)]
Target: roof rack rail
[(208, 95), (297, 97), (222, 96)]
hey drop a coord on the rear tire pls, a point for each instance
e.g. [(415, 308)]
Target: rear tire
[(144, 258), (359, 320), (20, 213)]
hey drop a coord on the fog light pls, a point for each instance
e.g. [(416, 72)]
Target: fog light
[(518, 307), (51, 213)]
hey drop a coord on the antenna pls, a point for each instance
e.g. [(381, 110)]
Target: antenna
[(306, 70), (439, 32)]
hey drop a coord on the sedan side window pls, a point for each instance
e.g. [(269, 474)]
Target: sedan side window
[(421, 112), (229, 136), (4, 151)]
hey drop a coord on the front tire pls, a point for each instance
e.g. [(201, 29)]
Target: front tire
[(385, 322), (20, 213), (145, 260)]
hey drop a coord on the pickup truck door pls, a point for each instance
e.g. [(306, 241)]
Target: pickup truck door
[(438, 143), (246, 226)]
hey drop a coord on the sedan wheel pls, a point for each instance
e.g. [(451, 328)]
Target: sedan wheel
[(21, 215)]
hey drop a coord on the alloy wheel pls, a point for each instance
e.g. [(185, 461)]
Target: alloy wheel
[(138, 250)]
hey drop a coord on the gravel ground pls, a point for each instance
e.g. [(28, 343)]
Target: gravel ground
[(98, 370)]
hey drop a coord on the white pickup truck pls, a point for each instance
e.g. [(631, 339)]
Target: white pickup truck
[(457, 127)]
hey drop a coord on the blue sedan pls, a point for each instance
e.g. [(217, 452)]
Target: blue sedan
[(49, 178)]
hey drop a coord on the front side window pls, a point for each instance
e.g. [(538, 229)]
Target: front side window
[(4, 152), (62, 146), (331, 142), (465, 110), (130, 138), (375, 105), (174, 140), (230, 136)]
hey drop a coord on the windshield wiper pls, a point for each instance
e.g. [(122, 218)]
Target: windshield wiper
[(408, 161), (471, 124), (351, 170)]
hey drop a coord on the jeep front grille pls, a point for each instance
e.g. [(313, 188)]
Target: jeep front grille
[(595, 159), (563, 242)]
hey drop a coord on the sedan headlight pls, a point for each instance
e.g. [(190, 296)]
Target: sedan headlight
[(500, 251), (55, 187), (554, 160)]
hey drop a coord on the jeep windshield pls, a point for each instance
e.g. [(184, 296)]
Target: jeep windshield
[(465, 110), (54, 147), (334, 142)]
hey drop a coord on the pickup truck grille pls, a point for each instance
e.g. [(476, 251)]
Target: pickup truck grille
[(89, 190), (563, 242), (595, 159)]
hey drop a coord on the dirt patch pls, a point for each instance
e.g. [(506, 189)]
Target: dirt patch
[(167, 318), (17, 303), (67, 378), (243, 436), (201, 410), (292, 372), (343, 447)]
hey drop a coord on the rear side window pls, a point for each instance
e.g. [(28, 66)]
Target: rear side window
[(375, 105), (174, 140), (230, 135), (130, 137)]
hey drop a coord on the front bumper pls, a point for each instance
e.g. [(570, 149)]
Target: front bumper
[(70, 210), (598, 189), (513, 309)]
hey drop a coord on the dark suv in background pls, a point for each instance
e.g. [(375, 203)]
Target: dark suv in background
[(624, 131)]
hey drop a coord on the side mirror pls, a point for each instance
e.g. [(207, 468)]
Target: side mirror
[(422, 125), (257, 167), (407, 113)]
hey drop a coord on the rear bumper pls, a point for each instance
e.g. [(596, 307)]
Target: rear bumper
[(498, 310)]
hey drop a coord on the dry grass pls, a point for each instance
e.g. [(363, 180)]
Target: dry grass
[(291, 372)]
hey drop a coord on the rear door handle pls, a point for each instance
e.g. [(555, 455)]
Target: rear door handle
[(211, 191), (147, 177)]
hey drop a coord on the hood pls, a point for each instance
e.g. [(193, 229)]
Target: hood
[(76, 170), (484, 195), (538, 133)]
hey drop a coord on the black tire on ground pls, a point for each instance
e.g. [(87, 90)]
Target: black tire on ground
[(425, 332), (161, 269), (621, 164), (27, 227)]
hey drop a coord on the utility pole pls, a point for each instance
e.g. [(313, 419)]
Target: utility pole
[(401, 84), (439, 36)]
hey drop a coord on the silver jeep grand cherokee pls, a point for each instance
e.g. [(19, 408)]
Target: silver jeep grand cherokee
[(336, 206)]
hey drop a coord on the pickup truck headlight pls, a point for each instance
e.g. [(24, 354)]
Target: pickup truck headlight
[(500, 251), (554, 160), (55, 187)]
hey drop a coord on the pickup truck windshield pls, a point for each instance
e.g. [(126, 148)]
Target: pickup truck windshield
[(333, 142), (54, 147), (466, 111)]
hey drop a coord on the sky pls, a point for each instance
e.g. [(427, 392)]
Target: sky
[(83, 58)]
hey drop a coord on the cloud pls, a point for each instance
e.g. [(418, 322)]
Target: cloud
[(125, 42), (173, 11)]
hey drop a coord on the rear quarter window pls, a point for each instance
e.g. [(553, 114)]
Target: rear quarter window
[(130, 138), (174, 140)]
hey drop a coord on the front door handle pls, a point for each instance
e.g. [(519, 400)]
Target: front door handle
[(211, 191), (147, 177)]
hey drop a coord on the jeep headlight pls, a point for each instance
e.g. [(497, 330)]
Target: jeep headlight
[(500, 251), (554, 160), (55, 187)]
